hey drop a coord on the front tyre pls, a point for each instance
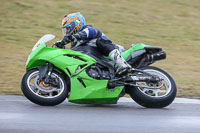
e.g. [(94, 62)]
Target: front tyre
[(155, 98), (44, 94)]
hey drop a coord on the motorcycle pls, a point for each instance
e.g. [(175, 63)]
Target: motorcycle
[(84, 76)]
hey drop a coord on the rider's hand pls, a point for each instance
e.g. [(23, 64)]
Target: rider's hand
[(66, 39), (70, 38), (60, 44)]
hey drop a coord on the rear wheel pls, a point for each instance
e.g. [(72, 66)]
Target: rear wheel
[(41, 93), (155, 98)]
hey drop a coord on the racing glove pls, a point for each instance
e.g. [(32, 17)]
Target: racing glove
[(71, 38), (60, 44), (66, 39)]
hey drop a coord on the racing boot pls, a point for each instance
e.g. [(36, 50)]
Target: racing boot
[(122, 66)]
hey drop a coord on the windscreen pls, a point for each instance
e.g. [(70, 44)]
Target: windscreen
[(44, 39)]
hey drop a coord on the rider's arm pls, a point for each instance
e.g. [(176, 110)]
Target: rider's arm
[(88, 33)]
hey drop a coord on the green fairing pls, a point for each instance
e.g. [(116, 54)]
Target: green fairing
[(132, 49), (136, 47), (92, 91), (43, 54), (95, 91)]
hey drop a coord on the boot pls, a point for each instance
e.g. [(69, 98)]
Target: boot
[(122, 66)]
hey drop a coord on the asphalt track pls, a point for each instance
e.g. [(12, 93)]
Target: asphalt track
[(18, 115)]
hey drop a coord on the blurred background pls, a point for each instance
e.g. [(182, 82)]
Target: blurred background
[(172, 24)]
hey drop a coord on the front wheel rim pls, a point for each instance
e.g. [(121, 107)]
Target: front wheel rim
[(36, 89)]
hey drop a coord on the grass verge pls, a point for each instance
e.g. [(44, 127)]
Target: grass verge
[(173, 25)]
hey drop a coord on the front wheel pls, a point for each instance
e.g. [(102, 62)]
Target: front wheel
[(39, 92), (155, 98)]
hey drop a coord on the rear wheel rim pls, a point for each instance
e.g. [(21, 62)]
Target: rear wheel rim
[(42, 90), (158, 93)]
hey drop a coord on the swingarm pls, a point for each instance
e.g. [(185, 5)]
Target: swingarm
[(137, 79)]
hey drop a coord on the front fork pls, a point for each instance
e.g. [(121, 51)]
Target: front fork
[(45, 71), (45, 75)]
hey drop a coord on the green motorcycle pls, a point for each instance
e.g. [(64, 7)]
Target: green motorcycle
[(85, 76)]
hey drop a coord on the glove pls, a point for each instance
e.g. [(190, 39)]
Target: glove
[(60, 44), (70, 38), (66, 39)]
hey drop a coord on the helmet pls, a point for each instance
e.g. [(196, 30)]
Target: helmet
[(72, 23)]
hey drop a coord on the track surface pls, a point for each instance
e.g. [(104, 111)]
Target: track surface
[(18, 115)]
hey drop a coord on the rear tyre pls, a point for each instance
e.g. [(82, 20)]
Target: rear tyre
[(155, 98), (40, 93)]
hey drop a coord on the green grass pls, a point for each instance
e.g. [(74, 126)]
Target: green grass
[(172, 24)]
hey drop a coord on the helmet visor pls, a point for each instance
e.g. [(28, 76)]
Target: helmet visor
[(66, 30)]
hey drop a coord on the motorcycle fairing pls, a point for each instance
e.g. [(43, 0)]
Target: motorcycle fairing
[(132, 50), (92, 91), (84, 89)]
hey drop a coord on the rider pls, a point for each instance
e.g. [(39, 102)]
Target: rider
[(76, 31)]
